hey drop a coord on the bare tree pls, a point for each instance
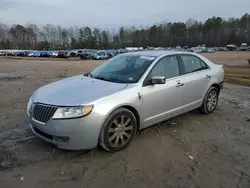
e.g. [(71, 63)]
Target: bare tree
[(215, 31)]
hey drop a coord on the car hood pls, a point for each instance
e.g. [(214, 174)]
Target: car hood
[(74, 91)]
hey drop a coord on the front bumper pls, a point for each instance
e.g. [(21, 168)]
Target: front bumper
[(71, 134)]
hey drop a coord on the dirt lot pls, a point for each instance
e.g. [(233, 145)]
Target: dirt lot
[(193, 150), (235, 64)]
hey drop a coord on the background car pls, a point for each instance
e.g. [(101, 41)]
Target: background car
[(34, 54), (100, 55), (55, 54), (45, 54), (62, 54), (2, 53), (86, 55)]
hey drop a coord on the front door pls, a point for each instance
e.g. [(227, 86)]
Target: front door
[(162, 101)]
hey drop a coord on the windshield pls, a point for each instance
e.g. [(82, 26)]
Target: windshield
[(123, 69)]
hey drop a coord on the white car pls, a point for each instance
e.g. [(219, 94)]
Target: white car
[(55, 54)]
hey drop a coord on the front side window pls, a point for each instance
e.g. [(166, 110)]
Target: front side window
[(192, 63), (123, 69), (167, 67)]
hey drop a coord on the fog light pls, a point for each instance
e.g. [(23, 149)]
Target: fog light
[(63, 139)]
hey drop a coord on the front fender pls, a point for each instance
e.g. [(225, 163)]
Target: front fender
[(105, 106)]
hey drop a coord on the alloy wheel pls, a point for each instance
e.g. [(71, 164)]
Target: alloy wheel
[(120, 131), (212, 100)]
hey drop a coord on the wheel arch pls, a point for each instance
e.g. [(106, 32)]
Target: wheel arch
[(128, 107), (217, 86), (203, 107), (135, 112)]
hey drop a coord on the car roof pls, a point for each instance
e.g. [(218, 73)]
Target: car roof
[(157, 53)]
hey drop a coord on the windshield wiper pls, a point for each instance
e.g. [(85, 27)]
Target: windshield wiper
[(102, 78), (108, 80)]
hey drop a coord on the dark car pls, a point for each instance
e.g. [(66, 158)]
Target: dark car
[(10, 53), (71, 54), (22, 54), (45, 54), (62, 54), (231, 47), (86, 55)]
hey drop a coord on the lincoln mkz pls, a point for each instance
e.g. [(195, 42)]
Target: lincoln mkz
[(132, 91)]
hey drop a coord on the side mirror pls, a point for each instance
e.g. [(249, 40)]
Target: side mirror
[(158, 80)]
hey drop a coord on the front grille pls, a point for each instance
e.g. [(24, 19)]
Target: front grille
[(43, 113)]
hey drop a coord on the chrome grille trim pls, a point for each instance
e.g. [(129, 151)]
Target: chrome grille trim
[(43, 113)]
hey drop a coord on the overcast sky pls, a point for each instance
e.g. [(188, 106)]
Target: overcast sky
[(114, 13)]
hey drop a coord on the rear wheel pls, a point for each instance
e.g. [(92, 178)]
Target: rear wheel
[(210, 101), (118, 130)]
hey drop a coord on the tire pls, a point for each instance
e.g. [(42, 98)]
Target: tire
[(212, 96), (116, 134)]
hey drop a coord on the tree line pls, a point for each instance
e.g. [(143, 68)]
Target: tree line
[(215, 31)]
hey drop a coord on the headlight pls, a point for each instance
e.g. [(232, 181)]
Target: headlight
[(29, 106), (72, 112)]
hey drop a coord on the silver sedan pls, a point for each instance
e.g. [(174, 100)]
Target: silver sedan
[(132, 91)]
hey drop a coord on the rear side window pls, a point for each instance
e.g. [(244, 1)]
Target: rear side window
[(192, 63)]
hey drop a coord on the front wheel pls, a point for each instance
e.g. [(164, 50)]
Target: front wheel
[(118, 130), (210, 101)]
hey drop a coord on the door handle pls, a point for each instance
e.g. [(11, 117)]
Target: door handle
[(179, 84), (208, 76)]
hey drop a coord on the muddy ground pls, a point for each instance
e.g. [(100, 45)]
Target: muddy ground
[(192, 150)]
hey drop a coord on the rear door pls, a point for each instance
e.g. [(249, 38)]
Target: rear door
[(197, 80)]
